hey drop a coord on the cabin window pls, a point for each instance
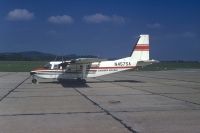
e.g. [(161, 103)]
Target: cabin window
[(88, 66), (55, 66)]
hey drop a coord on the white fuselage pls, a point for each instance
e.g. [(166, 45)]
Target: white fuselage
[(94, 69)]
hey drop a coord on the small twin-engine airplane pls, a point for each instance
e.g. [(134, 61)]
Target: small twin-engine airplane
[(83, 68)]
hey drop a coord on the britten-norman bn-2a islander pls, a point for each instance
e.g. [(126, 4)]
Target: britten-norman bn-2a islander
[(83, 68)]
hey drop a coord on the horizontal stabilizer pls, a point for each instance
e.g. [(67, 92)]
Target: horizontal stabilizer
[(145, 63)]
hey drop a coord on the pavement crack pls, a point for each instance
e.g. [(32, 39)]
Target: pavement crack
[(14, 89), (129, 128), (159, 94), (165, 78), (168, 79)]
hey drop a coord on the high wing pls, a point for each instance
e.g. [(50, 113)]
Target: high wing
[(87, 60), (81, 61)]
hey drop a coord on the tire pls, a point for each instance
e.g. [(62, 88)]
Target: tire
[(79, 79), (83, 81), (34, 81)]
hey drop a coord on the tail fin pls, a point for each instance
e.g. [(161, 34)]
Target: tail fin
[(141, 49)]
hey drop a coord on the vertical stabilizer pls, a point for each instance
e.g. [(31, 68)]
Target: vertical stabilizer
[(141, 49)]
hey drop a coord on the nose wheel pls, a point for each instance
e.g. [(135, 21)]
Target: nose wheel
[(34, 81)]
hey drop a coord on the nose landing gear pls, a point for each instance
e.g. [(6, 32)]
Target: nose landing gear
[(34, 81)]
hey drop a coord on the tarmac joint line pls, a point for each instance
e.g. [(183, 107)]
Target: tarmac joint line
[(107, 112), (14, 88), (34, 114), (159, 94)]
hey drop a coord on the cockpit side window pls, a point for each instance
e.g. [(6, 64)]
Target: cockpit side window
[(47, 66)]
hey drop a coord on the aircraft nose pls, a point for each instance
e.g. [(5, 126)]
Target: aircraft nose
[(32, 73)]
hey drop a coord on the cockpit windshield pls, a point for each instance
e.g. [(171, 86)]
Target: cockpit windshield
[(48, 66)]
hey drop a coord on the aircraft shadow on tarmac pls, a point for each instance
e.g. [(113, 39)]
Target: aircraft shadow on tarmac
[(115, 81), (68, 83), (77, 84)]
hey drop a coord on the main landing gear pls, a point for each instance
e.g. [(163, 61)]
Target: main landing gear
[(83, 81)]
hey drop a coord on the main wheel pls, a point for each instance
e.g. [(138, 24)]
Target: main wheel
[(34, 81), (81, 80)]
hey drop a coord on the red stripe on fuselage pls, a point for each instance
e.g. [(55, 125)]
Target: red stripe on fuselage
[(112, 67), (90, 69), (142, 47)]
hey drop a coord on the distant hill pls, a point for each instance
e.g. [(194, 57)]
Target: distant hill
[(37, 56)]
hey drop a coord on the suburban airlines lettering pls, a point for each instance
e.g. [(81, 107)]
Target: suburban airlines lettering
[(122, 64)]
